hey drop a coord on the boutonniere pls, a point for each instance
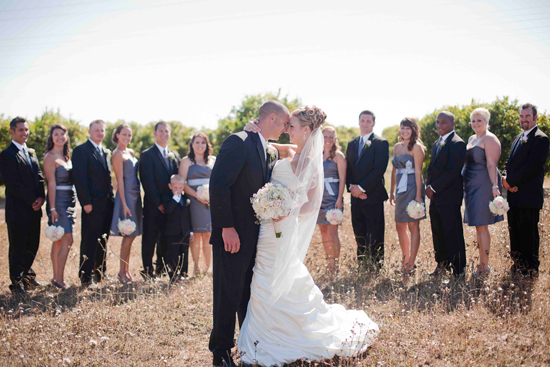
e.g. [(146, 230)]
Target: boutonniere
[(187, 202), (271, 151), (171, 156), (368, 143), (107, 151), (31, 151), (524, 140), (442, 143)]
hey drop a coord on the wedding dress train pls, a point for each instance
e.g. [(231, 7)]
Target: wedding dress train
[(298, 324)]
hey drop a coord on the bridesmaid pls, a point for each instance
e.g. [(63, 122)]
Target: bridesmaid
[(406, 179), (482, 183), (334, 165), (196, 169), (61, 198), (128, 196)]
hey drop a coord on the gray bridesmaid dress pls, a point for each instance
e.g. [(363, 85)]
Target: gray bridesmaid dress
[(65, 199), (478, 189), (132, 194), (408, 193), (330, 195), (200, 213)]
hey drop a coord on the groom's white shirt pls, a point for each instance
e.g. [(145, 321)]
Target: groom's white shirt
[(264, 144)]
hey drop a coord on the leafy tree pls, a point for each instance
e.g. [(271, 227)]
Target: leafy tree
[(246, 112), (391, 134), (504, 123)]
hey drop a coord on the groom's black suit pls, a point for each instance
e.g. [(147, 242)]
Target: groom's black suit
[(239, 172), (445, 178), (525, 169), (92, 179), (367, 216), (24, 184)]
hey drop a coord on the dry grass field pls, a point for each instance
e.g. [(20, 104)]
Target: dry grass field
[(423, 321)]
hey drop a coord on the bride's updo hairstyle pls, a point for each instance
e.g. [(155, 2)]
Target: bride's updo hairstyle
[(311, 116)]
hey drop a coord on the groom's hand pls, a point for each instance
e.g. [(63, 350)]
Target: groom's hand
[(231, 240)]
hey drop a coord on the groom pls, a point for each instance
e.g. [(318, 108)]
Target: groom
[(242, 168)]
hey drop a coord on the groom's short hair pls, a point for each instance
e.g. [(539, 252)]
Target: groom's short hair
[(272, 106)]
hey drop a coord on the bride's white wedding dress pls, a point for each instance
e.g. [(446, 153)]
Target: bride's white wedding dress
[(299, 324)]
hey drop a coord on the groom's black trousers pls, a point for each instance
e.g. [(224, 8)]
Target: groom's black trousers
[(232, 277)]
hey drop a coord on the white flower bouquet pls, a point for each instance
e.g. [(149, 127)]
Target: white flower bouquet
[(270, 202), (416, 210), (203, 193), (126, 227), (54, 233), (334, 216), (499, 206)]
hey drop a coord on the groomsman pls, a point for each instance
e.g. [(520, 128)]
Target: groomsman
[(92, 179), (445, 193), (24, 199), (367, 159), (157, 164), (523, 178)]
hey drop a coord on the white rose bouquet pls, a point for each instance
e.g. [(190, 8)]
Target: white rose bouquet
[(416, 210), (54, 233), (203, 193), (270, 202), (126, 227), (334, 216), (499, 206)]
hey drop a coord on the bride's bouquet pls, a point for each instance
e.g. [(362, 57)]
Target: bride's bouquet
[(203, 193), (126, 227), (54, 233), (334, 216), (499, 206), (270, 202), (416, 210)]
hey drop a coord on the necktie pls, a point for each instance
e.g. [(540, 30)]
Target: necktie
[(516, 145), (438, 146), (166, 159), (361, 145), (27, 156)]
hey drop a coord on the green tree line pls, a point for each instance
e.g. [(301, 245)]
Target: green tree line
[(504, 123)]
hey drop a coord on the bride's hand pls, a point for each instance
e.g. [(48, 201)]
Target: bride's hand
[(252, 127), (279, 219)]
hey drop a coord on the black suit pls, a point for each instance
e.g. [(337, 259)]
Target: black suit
[(525, 169), (92, 179), (177, 232), (445, 178), (24, 184), (240, 171), (155, 176), (367, 216)]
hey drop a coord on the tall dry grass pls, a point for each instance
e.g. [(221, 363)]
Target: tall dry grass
[(423, 321)]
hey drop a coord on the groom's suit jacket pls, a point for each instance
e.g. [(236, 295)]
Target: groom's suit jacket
[(241, 169), (368, 169), (445, 171), (525, 169)]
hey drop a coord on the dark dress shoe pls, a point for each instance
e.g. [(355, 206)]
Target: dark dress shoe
[(17, 288), (223, 359), (441, 269), (32, 283)]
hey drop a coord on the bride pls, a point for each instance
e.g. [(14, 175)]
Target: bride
[(287, 318)]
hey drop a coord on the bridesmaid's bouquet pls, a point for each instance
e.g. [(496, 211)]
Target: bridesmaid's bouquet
[(126, 227), (499, 206), (203, 193), (54, 233), (416, 210), (270, 202), (334, 216)]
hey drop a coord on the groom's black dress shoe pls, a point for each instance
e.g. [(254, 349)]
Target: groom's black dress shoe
[(223, 359)]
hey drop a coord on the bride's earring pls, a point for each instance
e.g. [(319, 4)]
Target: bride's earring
[(305, 137)]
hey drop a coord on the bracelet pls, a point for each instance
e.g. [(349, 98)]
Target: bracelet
[(52, 209), (495, 187)]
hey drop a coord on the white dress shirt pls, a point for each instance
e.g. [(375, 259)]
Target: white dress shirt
[(163, 151)]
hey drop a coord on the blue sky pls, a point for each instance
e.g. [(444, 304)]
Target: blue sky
[(193, 60)]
